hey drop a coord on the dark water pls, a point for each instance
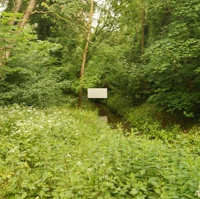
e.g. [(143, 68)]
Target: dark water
[(112, 119)]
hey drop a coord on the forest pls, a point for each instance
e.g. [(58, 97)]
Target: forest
[(146, 53)]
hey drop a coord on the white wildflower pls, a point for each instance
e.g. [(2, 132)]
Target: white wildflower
[(68, 155), (89, 169), (198, 192), (106, 176), (13, 150), (77, 134), (79, 163)]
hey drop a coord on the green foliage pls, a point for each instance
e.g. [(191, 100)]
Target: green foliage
[(31, 75), (146, 113), (118, 103), (64, 153), (147, 119), (154, 122), (167, 74), (106, 61), (8, 32), (172, 59)]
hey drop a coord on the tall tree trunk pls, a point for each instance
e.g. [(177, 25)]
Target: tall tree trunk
[(143, 27), (84, 57), (18, 4), (2, 57), (28, 12)]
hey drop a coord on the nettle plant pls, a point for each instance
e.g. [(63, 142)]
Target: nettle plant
[(68, 153)]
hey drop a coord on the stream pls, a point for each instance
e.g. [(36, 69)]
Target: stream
[(111, 118)]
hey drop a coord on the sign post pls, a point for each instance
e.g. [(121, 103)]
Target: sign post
[(98, 93)]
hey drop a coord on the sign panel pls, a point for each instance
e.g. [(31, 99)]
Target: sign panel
[(97, 93)]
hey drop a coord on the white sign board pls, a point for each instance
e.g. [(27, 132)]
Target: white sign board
[(97, 93)]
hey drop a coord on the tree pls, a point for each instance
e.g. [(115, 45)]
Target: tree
[(143, 28), (70, 19), (29, 74), (89, 25), (5, 50), (173, 56)]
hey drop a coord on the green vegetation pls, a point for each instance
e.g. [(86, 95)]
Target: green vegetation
[(143, 51), (146, 52), (69, 153)]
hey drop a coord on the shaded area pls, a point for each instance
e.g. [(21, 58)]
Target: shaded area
[(112, 119)]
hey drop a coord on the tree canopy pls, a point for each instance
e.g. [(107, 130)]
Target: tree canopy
[(143, 51)]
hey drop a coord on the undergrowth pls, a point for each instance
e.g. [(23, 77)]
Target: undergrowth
[(68, 153)]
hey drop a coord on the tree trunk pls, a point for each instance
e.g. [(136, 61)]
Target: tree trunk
[(18, 4), (143, 28), (28, 12), (2, 57), (84, 57)]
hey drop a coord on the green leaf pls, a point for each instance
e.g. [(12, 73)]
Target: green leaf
[(154, 181), (142, 172), (140, 196), (24, 195), (44, 176), (134, 191)]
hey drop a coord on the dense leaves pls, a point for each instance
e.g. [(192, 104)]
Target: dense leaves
[(64, 153), (174, 58), (34, 77), (167, 73), (142, 51), (147, 54)]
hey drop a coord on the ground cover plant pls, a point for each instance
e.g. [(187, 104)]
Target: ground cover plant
[(67, 153)]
